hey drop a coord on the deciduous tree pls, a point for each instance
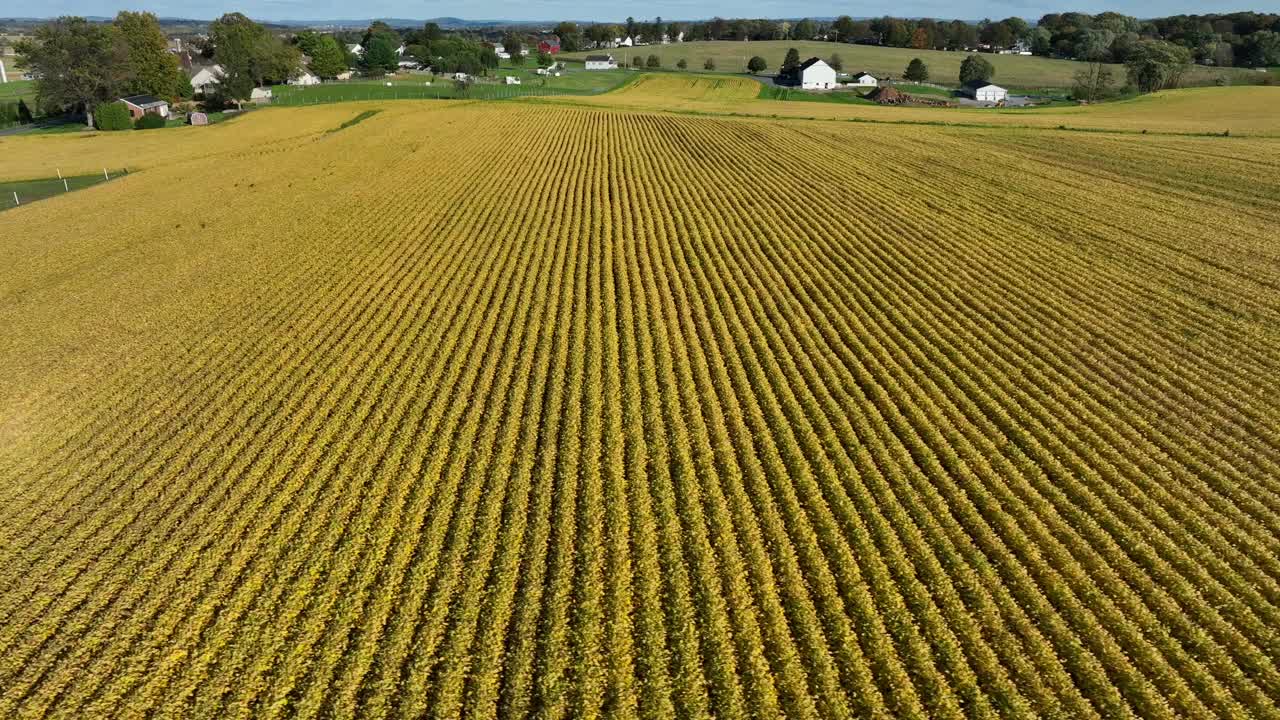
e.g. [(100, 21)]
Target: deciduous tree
[(328, 58), (976, 67), (152, 69), (76, 64), (1155, 65)]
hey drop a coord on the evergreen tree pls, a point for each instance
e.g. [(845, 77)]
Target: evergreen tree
[(792, 60), (916, 71)]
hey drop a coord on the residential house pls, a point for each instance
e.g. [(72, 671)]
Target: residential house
[(140, 105), (355, 49), (983, 91), (205, 78), (863, 79), (601, 62)]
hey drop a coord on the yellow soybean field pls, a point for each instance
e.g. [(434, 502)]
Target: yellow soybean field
[(521, 409), (1249, 110)]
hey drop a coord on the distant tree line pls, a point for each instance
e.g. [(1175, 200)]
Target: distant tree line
[(1244, 38)]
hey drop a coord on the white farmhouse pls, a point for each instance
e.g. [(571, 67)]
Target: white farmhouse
[(863, 79), (983, 91), (355, 49), (304, 78), (601, 62), (814, 74)]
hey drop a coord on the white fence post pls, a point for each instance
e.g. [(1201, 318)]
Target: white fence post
[(15, 198), (105, 176), (65, 187)]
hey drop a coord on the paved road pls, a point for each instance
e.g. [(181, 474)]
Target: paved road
[(1011, 101)]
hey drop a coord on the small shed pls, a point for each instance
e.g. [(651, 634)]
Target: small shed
[(864, 79), (601, 62), (198, 118), (511, 80)]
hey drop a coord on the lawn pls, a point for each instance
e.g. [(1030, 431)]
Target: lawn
[(18, 90), (769, 91), (919, 89), (1013, 71)]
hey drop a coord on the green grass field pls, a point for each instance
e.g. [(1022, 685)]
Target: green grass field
[(769, 91), (573, 82), (31, 190), (1014, 71), (18, 89)]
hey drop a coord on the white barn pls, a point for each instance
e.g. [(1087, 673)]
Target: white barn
[(983, 91), (601, 62), (814, 74), (864, 79)]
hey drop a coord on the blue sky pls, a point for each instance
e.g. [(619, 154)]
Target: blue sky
[(605, 11)]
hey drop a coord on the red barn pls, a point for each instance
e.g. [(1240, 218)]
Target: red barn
[(550, 46)]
